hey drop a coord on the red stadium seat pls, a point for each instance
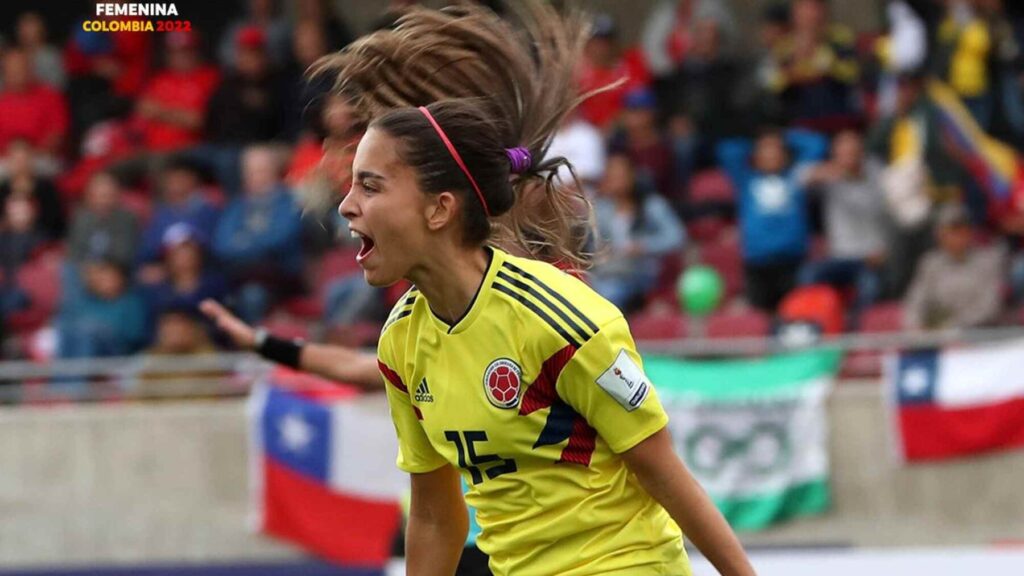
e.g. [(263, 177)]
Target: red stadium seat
[(740, 324), (285, 326), (40, 279), (885, 317), (725, 257), (711, 186), (665, 287), (658, 326)]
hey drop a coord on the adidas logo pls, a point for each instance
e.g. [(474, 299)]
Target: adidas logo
[(423, 392)]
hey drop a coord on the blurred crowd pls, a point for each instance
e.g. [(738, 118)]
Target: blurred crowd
[(847, 181)]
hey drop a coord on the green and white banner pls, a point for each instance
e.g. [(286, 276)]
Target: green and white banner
[(753, 432)]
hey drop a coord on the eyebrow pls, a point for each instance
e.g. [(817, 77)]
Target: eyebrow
[(367, 175)]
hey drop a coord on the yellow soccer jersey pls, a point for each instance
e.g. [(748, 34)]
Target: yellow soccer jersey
[(532, 395)]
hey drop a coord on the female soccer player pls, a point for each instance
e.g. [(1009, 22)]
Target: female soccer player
[(505, 368)]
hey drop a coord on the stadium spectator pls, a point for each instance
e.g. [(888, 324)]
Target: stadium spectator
[(772, 202), (959, 284), (580, 143), (854, 220), (101, 226), (46, 59), (920, 173), (23, 181), (605, 62), (815, 71), (19, 239), (304, 96), (180, 334), (106, 73), (264, 15), (636, 228), (706, 89), (171, 109), (962, 58), (333, 28), (259, 237), (668, 32), (182, 200), (247, 106), (30, 109), (106, 318), (245, 109), (188, 279), (647, 145)]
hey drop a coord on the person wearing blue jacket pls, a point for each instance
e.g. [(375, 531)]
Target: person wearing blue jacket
[(259, 237), (636, 228), (772, 207)]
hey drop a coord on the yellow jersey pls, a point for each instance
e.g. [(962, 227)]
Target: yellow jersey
[(532, 395)]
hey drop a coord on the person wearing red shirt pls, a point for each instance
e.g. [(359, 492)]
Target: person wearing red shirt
[(171, 111), (603, 63), (30, 109)]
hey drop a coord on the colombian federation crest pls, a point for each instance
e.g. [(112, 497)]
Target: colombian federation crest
[(502, 382)]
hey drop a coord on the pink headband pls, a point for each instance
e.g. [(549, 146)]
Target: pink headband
[(455, 156)]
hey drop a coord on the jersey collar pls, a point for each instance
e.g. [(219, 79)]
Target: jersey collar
[(479, 301)]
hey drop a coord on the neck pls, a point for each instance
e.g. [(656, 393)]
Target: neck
[(450, 280)]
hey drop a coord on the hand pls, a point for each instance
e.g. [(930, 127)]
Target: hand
[(243, 335)]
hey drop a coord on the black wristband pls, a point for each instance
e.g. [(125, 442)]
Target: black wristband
[(281, 351)]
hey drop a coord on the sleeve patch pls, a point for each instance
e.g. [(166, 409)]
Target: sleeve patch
[(625, 382)]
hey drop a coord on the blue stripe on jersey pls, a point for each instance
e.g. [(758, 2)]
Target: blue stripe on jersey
[(558, 427)]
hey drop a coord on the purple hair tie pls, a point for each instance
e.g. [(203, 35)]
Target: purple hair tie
[(519, 159)]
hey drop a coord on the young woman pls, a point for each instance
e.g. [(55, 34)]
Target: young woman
[(503, 368)]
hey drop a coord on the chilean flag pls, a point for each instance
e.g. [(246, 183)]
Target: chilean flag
[(957, 402), (323, 474)]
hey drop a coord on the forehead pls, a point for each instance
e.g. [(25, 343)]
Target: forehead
[(377, 152)]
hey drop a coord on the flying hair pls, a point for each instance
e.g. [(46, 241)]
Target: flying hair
[(516, 73)]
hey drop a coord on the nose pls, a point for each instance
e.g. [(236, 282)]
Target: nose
[(348, 206)]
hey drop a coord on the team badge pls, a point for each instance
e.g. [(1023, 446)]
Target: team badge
[(502, 381)]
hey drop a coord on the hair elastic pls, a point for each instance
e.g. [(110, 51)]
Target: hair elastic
[(519, 159), (455, 156)]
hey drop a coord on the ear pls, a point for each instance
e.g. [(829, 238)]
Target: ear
[(442, 211)]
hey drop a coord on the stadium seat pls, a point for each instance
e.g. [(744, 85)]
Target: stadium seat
[(39, 278), (665, 287), (711, 187), (885, 317), (139, 204), (658, 326), (285, 326), (739, 324), (725, 257)]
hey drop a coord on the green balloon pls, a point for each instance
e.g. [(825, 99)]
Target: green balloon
[(700, 290)]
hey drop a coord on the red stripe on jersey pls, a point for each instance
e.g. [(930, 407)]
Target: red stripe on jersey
[(392, 377), (419, 415), (581, 443), (542, 394)]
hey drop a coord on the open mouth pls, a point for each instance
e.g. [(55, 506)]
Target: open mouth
[(366, 248)]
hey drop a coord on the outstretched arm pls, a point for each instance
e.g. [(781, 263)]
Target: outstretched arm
[(338, 363), (667, 480)]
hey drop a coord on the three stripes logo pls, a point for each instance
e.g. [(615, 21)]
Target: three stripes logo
[(552, 308), (423, 392)]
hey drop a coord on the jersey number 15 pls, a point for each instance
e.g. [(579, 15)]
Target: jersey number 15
[(465, 442)]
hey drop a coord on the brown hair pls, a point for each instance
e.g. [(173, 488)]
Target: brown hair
[(507, 86)]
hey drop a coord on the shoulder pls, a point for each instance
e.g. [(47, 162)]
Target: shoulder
[(553, 297), (401, 311)]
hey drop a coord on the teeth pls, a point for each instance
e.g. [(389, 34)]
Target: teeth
[(355, 234)]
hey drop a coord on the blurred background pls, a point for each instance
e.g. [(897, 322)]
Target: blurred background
[(772, 178)]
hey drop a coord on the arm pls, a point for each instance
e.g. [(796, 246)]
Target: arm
[(807, 146), (734, 156), (338, 363), (663, 232), (916, 301), (438, 523), (667, 480)]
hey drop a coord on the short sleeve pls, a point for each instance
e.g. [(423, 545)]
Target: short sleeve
[(605, 382), (415, 453)]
